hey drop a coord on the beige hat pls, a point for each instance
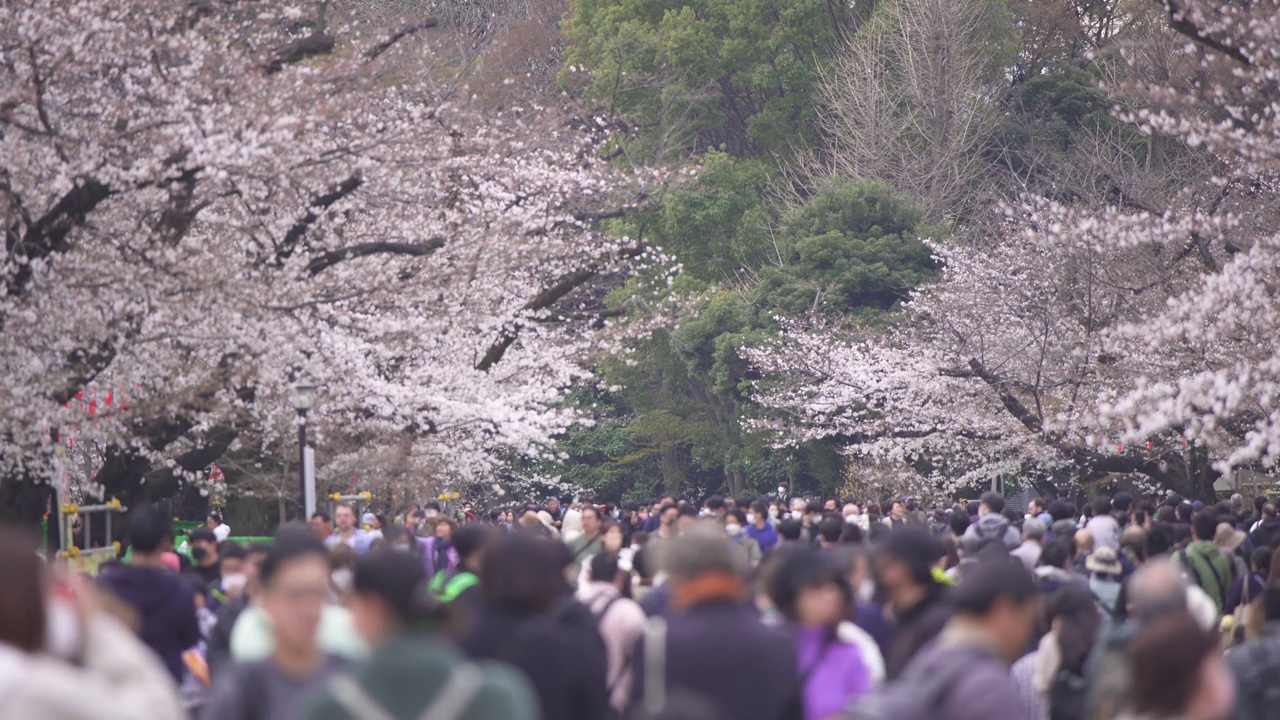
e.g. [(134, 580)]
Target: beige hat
[(1227, 537), (1104, 561)]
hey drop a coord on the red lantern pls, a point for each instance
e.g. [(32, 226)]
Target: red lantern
[(1120, 448)]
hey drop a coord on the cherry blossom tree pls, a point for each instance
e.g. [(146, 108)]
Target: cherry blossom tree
[(1118, 334), (203, 202)]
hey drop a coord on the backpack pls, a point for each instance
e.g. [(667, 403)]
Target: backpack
[(911, 701), (1068, 696)]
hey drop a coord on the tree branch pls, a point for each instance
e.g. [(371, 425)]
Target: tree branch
[(317, 43), (1180, 24), (318, 203), (399, 35), (333, 257)]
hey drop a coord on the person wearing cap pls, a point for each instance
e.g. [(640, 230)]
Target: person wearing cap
[(1204, 563), (1105, 572), (904, 567), (411, 668), (714, 646), (1033, 532), (204, 555)]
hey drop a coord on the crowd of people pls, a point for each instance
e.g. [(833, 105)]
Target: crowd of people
[(770, 608)]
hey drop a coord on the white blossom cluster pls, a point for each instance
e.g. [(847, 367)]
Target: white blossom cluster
[(203, 202)]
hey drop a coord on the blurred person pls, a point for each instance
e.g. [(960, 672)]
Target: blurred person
[(463, 581), (1037, 509), (218, 653), (709, 623), (992, 527), (1256, 664), (790, 532), (411, 670), (221, 530), (438, 553), (1105, 582), (965, 674), (62, 657), (1133, 544), (1178, 672), (321, 524), (854, 515), (1204, 563), (620, 620), (346, 532), (716, 507), (759, 528), (571, 521), (588, 542), (917, 601), (231, 571), (747, 548), (204, 556), (1266, 529), (521, 586), (161, 597), (1033, 532), (1057, 567), (686, 517), (1052, 678), (293, 593), (896, 519), (829, 531), (811, 592), (1245, 599)]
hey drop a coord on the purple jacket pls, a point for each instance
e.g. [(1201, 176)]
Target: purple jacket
[(428, 547), (833, 671)]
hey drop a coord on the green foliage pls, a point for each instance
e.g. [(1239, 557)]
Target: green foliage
[(731, 74)]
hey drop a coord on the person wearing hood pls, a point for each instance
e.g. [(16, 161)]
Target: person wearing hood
[(811, 592), (992, 526), (747, 548), (163, 599), (62, 657)]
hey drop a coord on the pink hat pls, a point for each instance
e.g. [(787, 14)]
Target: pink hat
[(171, 560)]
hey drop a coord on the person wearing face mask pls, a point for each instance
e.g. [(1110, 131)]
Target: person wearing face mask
[(162, 599), (854, 516), (45, 624), (204, 556), (747, 548), (759, 528), (342, 566)]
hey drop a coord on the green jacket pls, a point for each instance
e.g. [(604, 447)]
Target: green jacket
[(405, 675), (1208, 567)]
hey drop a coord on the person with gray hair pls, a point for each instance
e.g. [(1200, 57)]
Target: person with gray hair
[(713, 646), (1033, 532)]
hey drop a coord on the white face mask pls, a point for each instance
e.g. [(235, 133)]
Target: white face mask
[(733, 528), (751, 518), (234, 582), (62, 632), (341, 579), (430, 514)]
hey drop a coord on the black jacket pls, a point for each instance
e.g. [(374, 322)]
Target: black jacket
[(721, 655), (166, 605), (916, 627), (1266, 533), (563, 663)]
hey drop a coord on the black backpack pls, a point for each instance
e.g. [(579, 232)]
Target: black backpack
[(1068, 696)]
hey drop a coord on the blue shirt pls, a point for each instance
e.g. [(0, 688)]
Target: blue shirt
[(359, 542), (766, 537)]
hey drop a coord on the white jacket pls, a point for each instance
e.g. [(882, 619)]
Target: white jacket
[(121, 679)]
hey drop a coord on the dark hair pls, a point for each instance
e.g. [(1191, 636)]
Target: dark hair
[(292, 543), (993, 501), (789, 529), (22, 608), (1165, 659), (687, 511), (215, 516), (1261, 559), (230, 549), (715, 502), (640, 564), (1204, 524), (1270, 602), (1122, 501), (850, 533), (203, 534), (1101, 505), (831, 528), (148, 527), (812, 507), (431, 505), (604, 567), (1269, 510), (1075, 607), (971, 507), (738, 515), (959, 523), (522, 574), (397, 579), (1061, 510), (1183, 511), (1056, 553), (759, 507), (322, 515), (494, 514), (471, 539), (994, 578), (591, 509), (799, 568)]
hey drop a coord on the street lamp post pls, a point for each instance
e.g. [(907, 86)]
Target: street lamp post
[(302, 398)]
